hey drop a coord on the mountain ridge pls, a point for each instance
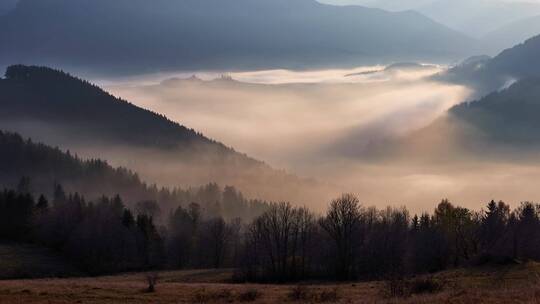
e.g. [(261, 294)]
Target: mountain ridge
[(207, 34), (53, 107)]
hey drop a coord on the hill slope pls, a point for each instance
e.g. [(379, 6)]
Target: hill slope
[(502, 126), (139, 36), (487, 75), (58, 109), (45, 167), (508, 117)]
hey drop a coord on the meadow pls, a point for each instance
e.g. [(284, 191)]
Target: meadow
[(517, 283)]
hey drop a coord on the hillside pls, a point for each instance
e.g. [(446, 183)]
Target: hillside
[(488, 75), (507, 117), (45, 166), (141, 36), (55, 108), (502, 125)]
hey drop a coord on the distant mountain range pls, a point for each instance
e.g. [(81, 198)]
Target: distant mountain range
[(477, 18), (53, 107), (512, 33), (502, 121), (508, 114), (126, 36)]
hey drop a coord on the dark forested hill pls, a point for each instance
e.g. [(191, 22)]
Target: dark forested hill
[(519, 61), (501, 125), (507, 117), (514, 63), (44, 167), (125, 36), (53, 107), (51, 96)]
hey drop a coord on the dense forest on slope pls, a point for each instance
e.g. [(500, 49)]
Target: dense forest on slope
[(56, 108), (487, 75), (141, 36), (501, 126), (44, 167), (51, 96), (508, 117)]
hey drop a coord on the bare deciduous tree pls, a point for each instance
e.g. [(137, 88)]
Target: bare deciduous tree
[(341, 223)]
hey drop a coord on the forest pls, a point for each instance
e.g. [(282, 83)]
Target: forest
[(283, 244), (93, 178), (131, 226)]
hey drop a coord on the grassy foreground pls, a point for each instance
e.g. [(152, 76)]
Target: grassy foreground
[(509, 284)]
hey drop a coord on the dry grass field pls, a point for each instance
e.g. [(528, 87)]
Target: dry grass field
[(510, 284)]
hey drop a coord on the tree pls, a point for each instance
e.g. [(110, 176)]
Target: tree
[(493, 226), (342, 223), (217, 238)]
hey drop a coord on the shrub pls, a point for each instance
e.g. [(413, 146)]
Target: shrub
[(203, 296), (151, 279), (400, 287), (329, 295), (299, 293), (395, 287), (249, 295), (425, 285)]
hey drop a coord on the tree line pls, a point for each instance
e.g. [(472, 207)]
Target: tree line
[(44, 166), (284, 243), (351, 241), (104, 236)]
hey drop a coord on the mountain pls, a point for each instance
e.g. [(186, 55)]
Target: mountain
[(141, 36), (502, 125), (512, 34), (389, 5), (506, 117), (53, 107), (476, 18), (487, 75)]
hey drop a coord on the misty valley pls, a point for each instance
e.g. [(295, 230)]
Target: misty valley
[(269, 151)]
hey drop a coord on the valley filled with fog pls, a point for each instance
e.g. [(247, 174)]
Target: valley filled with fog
[(323, 124)]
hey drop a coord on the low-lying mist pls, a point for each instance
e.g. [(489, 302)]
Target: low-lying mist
[(319, 124), (295, 119)]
